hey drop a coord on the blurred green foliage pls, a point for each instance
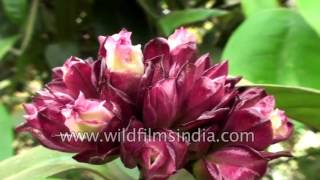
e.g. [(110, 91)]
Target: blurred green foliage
[(6, 132)]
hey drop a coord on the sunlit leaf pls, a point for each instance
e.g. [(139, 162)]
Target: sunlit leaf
[(180, 18), (277, 47), (250, 7), (309, 9), (6, 134), (40, 162)]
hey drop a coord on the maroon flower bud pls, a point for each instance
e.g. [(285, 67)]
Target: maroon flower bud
[(180, 101), (87, 115), (179, 37), (157, 157), (161, 104), (256, 113), (73, 103), (124, 61), (232, 163), (120, 55), (79, 75), (178, 50)]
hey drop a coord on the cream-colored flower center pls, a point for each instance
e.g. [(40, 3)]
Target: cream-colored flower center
[(276, 121), (129, 59)]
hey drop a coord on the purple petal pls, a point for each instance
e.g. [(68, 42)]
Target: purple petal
[(233, 163), (251, 121), (203, 63), (47, 128), (157, 48), (157, 158), (186, 80), (217, 70), (78, 78), (160, 104), (206, 94), (126, 82), (180, 56)]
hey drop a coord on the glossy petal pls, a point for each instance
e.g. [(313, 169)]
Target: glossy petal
[(120, 55), (206, 94), (157, 158), (77, 77), (282, 127), (157, 48), (217, 70), (203, 63), (180, 37), (232, 163), (160, 104), (181, 56)]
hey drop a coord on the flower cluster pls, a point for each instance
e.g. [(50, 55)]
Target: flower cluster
[(168, 88)]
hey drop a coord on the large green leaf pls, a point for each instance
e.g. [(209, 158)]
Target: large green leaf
[(16, 10), (301, 104), (6, 44), (179, 18), (6, 134), (276, 47), (250, 7), (39, 163), (310, 11)]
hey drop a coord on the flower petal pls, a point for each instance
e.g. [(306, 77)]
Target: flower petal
[(160, 104), (232, 163)]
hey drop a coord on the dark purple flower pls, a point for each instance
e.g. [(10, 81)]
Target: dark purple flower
[(255, 112), (156, 157), (73, 103), (231, 163), (168, 89), (186, 93)]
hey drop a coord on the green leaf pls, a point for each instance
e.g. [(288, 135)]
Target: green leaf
[(309, 9), (179, 18), (275, 47), (6, 44), (182, 174), (6, 134), (309, 164), (40, 163), (250, 7), (301, 104), (134, 173), (16, 10)]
